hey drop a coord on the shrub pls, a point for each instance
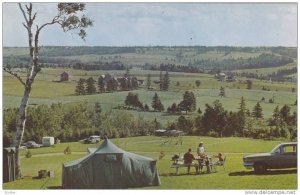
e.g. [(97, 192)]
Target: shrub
[(67, 150), (28, 154), (161, 155)]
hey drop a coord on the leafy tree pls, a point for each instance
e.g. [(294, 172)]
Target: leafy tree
[(198, 83), (80, 88), (90, 86), (101, 84), (156, 103), (214, 118), (134, 83), (222, 92), (249, 84), (188, 104), (185, 125), (69, 18), (148, 83), (257, 111)]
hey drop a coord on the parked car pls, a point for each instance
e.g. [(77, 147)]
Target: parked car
[(92, 139), (32, 144), (282, 156)]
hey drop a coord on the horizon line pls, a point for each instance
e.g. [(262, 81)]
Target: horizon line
[(154, 46)]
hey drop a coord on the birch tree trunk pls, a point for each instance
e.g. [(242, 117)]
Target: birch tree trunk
[(67, 19)]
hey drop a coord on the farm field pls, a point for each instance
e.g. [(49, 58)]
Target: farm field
[(235, 176), (206, 93)]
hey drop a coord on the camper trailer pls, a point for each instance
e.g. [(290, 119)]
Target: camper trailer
[(48, 141)]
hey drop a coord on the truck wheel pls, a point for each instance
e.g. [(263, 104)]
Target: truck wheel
[(260, 167)]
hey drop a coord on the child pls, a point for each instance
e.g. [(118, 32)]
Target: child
[(220, 159)]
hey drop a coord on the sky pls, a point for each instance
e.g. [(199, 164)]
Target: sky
[(167, 24)]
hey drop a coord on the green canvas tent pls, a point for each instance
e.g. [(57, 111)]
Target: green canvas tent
[(109, 167)]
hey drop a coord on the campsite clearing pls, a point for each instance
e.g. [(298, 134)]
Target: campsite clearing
[(235, 176)]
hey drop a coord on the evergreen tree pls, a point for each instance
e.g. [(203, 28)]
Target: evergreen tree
[(285, 113), (146, 108), (222, 92), (198, 83), (166, 81), (199, 111), (257, 111), (188, 104), (173, 109), (161, 81), (80, 88), (115, 84), (110, 86), (133, 100), (156, 103), (148, 83), (242, 114), (275, 120), (90, 86), (101, 84)]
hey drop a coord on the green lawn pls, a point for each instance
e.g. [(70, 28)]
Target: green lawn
[(235, 176)]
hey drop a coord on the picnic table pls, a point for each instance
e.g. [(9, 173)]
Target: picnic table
[(178, 163)]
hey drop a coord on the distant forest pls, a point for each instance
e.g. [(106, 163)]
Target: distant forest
[(111, 58)]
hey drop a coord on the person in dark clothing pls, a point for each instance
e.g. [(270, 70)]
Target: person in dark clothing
[(188, 159)]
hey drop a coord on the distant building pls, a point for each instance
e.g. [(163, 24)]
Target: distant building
[(220, 76), (160, 132), (64, 77), (141, 82)]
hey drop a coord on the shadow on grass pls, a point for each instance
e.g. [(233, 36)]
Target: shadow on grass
[(270, 172), (54, 187), (181, 174)]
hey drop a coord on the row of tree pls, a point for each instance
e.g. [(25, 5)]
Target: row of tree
[(264, 60), (105, 84), (279, 76), (218, 122), (188, 103), (74, 123)]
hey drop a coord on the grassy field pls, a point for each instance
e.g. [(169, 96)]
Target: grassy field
[(45, 91), (235, 176)]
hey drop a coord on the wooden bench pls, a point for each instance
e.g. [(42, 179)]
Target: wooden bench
[(178, 165)]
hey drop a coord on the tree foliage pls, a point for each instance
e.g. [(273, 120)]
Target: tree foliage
[(188, 104)]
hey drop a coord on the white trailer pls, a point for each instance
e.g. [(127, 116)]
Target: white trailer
[(48, 141)]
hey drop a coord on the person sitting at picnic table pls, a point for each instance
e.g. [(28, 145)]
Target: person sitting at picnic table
[(188, 158), (203, 156), (220, 159)]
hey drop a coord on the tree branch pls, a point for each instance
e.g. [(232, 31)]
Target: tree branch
[(21, 8), (15, 75)]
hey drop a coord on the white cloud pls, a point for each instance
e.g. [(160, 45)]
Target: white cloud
[(169, 24)]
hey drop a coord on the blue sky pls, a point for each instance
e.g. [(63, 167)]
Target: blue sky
[(144, 24)]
